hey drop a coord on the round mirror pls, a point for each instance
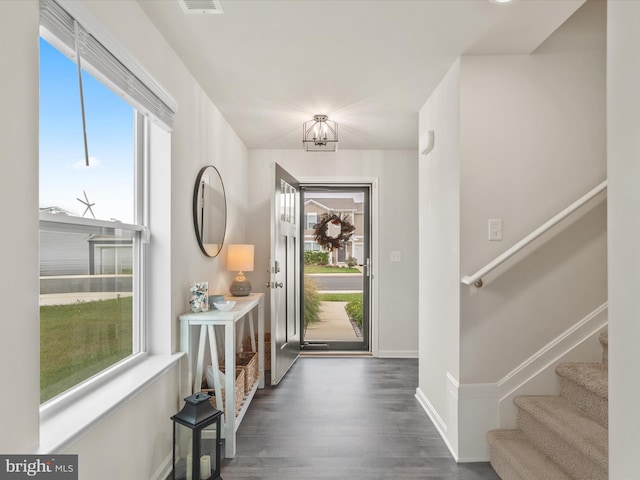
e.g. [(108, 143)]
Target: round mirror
[(209, 210)]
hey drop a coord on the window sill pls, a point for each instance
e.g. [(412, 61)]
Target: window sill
[(60, 429)]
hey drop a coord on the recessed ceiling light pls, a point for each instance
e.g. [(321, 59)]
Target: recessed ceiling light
[(500, 1)]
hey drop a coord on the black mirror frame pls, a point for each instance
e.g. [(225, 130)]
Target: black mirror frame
[(196, 227)]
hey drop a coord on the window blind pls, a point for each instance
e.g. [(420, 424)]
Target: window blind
[(62, 25)]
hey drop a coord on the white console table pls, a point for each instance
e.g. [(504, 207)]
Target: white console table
[(230, 321)]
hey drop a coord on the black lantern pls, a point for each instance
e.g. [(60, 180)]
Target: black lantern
[(196, 448)]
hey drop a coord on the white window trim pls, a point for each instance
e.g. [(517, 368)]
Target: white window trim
[(62, 424)]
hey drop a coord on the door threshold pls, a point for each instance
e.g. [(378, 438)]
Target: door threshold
[(334, 353)]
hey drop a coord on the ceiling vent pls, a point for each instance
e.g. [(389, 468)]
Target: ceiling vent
[(201, 6)]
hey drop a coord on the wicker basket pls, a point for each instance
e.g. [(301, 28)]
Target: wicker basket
[(267, 348), (239, 398), (247, 361)]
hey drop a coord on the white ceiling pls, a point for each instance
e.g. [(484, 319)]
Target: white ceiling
[(368, 64)]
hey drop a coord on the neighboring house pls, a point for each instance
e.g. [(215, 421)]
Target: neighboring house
[(349, 208), (71, 253)]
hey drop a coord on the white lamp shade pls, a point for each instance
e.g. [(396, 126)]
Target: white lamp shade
[(240, 258)]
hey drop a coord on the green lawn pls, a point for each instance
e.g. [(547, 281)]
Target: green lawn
[(339, 297), (80, 340), (326, 269)]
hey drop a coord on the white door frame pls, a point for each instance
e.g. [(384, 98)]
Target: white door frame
[(374, 252)]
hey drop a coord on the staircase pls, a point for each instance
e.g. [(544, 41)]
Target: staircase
[(559, 437)]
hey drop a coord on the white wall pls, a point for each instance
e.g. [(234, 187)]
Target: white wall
[(531, 141), (623, 110), (201, 137), (439, 207), (134, 442), (396, 172)]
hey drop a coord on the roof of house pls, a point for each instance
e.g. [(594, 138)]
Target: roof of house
[(336, 204)]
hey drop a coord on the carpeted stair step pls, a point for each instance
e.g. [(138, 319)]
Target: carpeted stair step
[(565, 434), (587, 386), (604, 341), (513, 457)]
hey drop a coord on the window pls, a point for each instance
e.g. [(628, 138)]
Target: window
[(93, 216), (89, 318), (310, 220), (312, 246)]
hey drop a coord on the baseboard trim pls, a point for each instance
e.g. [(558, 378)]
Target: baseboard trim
[(435, 419), (164, 470), (397, 354)]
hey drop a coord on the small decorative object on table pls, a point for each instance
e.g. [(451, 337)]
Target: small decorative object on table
[(198, 297), (213, 299), (225, 306)]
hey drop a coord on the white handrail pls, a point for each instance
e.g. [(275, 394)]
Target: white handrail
[(476, 278)]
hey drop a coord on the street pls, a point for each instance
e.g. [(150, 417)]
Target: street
[(338, 281)]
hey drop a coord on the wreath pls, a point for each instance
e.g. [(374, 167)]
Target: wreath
[(321, 231)]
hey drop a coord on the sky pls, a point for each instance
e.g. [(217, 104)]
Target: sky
[(109, 180)]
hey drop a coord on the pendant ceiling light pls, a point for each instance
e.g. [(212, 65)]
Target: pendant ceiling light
[(320, 134)]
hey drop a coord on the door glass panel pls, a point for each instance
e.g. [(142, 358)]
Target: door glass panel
[(283, 201)]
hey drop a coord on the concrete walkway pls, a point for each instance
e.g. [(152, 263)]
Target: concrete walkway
[(333, 326)]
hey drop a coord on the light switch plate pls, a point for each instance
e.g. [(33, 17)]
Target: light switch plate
[(495, 229), (395, 256)]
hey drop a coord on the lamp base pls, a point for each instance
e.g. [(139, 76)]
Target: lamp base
[(240, 288)]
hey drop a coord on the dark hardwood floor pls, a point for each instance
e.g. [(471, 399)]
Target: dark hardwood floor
[(344, 418)]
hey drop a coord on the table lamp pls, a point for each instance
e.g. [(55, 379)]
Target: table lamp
[(240, 259)]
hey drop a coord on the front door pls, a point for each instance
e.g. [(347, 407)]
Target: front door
[(336, 274), (285, 274)]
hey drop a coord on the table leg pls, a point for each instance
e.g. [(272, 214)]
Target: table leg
[(261, 343), (230, 381), (197, 379), (213, 350), (252, 332), (185, 346), (240, 336)]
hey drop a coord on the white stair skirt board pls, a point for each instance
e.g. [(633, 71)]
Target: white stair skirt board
[(475, 409), (537, 374)]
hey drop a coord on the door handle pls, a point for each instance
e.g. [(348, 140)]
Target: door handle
[(274, 285), (367, 268)]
